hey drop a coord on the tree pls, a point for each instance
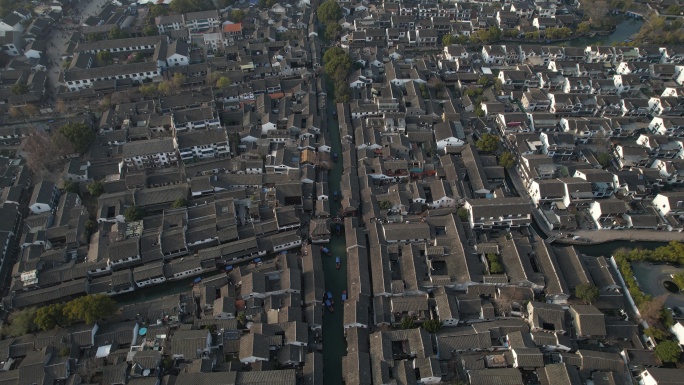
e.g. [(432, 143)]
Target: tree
[(432, 325), (407, 322), (385, 205), (448, 40), (178, 80), (50, 316), (679, 280), (673, 10), (597, 13), (506, 160), (178, 203), (150, 30), (158, 10), (15, 113), (40, 154), (584, 27), (116, 33), (223, 82), (19, 88), (484, 81), (651, 311), (148, 90), (90, 308), (237, 15), (21, 322), (242, 319), (668, 351), (487, 143), (31, 110), (333, 31), (424, 91), (657, 334), (61, 106), (337, 64), (79, 134), (96, 188), (587, 292), (133, 213), (479, 112), (329, 12), (104, 57), (164, 88), (70, 186), (604, 159), (463, 214)]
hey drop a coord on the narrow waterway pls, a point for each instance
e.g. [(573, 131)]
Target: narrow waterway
[(334, 345)]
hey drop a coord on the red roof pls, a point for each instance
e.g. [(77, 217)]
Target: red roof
[(237, 27)]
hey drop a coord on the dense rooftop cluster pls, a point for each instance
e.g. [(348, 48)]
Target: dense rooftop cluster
[(143, 147)]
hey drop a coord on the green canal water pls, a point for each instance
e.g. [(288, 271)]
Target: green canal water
[(334, 345)]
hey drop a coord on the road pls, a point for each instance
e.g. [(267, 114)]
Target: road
[(651, 278), (602, 236), (57, 41)]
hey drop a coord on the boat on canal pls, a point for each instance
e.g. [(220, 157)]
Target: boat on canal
[(338, 229), (338, 262), (329, 305), (325, 251), (329, 297), (344, 295)]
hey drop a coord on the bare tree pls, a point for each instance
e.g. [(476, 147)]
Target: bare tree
[(651, 311), (597, 11), (14, 112), (39, 149), (31, 110), (61, 106)]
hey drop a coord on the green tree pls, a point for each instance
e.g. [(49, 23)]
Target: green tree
[(673, 9), (133, 213), (70, 186), (237, 15), (463, 214), (484, 81), (333, 31), (116, 33), (385, 205), (668, 351), (587, 292), (679, 280), (506, 160), (50, 316), (424, 91), (148, 90), (79, 134), (19, 88), (104, 57), (178, 203), (165, 88), (487, 143), (159, 10), (407, 322), (93, 37), (90, 308), (96, 188), (604, 159), (329, 12), (449, 39), (479, 112), (432, 325), (242, 319), (150, 30), (496, 268), (21, 322), (223, 82), (178, 80), (584, 27), (337, 63), (657, 334)]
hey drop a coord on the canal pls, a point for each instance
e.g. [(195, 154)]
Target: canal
[(623, 31), (334, 345)]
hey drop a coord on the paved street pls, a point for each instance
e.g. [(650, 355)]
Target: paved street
[(57, 42), (651, 277), (600, 236)]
